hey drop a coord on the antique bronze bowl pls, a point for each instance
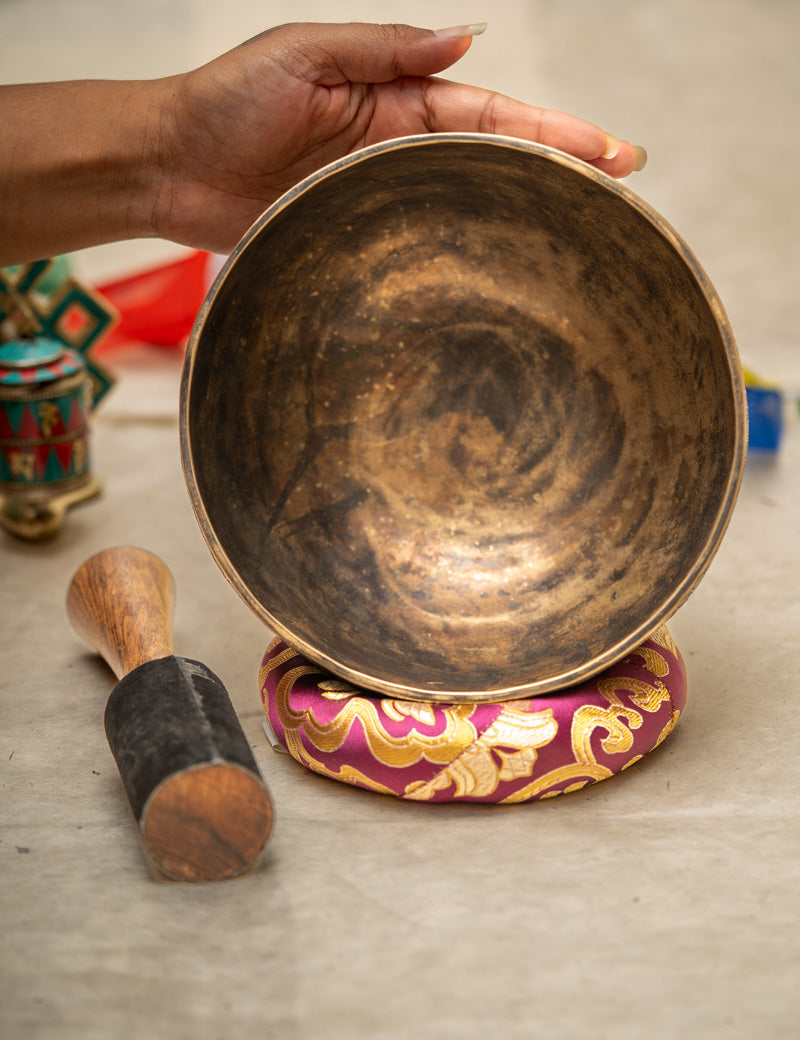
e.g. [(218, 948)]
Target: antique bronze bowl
[(462, 419)]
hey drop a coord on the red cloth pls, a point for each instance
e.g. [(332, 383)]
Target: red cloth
[(158, 305)]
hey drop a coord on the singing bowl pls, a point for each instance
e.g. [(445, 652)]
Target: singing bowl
[(462, 419)]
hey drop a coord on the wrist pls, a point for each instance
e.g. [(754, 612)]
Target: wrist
[(127, 174), (80, 165)]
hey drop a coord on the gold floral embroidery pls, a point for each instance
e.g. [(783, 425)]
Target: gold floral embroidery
[(271, 663), (653, 661), (396, 751), (663, 637), (475, 765), (336, 689), (514, 735), (347, 774), (540, 788), (423, 713), (670, 726), (613, 719), (617, 720)]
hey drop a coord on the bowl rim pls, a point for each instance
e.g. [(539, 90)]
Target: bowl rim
[(678, 595)]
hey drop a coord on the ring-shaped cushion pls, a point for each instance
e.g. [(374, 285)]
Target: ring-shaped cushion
[(514, 751)]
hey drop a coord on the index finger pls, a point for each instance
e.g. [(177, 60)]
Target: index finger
[(459, 107)]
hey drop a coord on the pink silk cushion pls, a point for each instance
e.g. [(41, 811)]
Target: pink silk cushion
[(514, 751)]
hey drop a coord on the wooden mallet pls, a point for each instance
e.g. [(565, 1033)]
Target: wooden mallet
[(201, 804)]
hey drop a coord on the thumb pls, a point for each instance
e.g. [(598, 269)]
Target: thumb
[(364, 53)]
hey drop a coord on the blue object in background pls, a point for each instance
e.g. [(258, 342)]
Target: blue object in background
[(765, 414)]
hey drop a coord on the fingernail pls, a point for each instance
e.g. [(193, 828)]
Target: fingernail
[(641, 157), (458, 31), (612, 147)]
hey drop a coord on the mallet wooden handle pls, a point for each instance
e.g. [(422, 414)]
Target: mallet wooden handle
[(121, 602), (194, 787)]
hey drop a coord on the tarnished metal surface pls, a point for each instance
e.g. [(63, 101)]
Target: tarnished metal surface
[(462, 418)]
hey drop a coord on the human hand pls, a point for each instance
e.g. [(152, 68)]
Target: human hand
[(238, 132)]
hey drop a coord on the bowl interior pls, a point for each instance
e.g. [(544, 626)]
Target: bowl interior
[(462, 419)]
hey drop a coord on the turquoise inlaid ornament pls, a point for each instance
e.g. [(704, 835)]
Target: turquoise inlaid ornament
[(49, 386)]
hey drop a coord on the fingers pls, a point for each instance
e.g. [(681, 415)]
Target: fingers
[(329, 54), (618, 156), (457, 107)]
